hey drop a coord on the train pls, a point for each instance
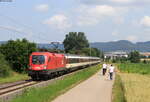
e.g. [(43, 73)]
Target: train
[(44, 65)]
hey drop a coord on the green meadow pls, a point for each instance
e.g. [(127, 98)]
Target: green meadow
[(140, 68)]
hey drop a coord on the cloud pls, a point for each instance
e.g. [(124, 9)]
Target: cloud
[(116, 2), (59, 21), (123, 1), (119, 20), (20, 31), (14, 29), (115, 33), (42, 8), (93, 15), (145, 21), (132, 38)]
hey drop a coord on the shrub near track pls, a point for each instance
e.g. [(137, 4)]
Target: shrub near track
[(47, 94), (14, 77)]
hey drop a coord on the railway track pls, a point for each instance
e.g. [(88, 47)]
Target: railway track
[(18, 85)]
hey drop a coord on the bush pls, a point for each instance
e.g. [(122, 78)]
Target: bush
[(5, 69), (134, 57), (17, 53)]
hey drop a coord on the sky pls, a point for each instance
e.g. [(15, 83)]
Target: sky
[(46, 21)]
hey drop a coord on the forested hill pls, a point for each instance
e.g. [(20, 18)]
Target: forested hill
[(122, 45)]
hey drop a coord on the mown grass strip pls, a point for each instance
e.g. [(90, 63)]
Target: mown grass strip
[(13, 78), (118, 90), (47, 94)]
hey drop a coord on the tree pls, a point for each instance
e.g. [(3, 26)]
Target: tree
[(91, 52), (17, 53), (75, 41), (5, 69), (134, 57)]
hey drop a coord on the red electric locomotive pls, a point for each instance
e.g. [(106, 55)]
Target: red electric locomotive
[(42, 64), (45, 64)]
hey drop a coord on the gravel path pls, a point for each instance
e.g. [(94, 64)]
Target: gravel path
[(98, 88)]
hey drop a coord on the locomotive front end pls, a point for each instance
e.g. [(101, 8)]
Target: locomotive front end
[(38, 62), (37, 65)]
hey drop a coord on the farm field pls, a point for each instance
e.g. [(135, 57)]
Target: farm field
[(132, 83), (136, 87), (140, 68)]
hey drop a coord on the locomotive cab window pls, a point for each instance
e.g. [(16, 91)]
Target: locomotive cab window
[(38, 59)]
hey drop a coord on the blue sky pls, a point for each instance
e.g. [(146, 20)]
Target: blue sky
[(44, 21)]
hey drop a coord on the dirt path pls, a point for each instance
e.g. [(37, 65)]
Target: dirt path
[(98, 88)]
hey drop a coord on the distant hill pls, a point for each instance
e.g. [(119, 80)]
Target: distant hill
[(3, 42), (121, 45)]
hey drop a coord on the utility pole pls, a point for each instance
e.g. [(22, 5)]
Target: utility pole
[(56, 45)]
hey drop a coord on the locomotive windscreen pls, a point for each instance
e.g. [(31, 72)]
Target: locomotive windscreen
[(38, 59)]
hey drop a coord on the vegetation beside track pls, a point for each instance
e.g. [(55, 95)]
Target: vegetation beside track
[(5, 69), (47, 94), (133, 83), (13, 78)]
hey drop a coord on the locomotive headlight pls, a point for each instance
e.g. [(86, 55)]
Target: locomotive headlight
[(44, 67), (30, 67)]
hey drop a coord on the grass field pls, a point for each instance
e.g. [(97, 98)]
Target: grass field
[(140, 68), (13, 78), (134, 80), (47, 94), (136, 87)]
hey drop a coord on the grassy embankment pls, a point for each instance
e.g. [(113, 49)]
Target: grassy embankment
[(7, 75), (134, 81), (118, 90), (13, 78), (47, 94)]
